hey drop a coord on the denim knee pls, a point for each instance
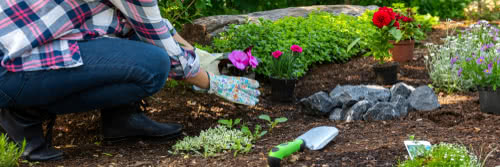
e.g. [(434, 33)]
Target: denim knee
[(159, 64)]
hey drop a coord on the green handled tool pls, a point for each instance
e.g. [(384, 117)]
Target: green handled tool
[(314, 139)]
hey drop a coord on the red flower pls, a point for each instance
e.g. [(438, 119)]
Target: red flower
[(382, 18), (406, 19), (390, 11), (296, 48), (419, 26), (396, 24), (277, 54)]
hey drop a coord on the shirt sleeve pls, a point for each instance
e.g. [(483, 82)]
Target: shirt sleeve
[(145, 18)]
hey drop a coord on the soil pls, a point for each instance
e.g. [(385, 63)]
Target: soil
[(359, 143)]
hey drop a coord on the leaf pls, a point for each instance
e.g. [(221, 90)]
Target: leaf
[(281, 120), (246, 130), (262, 133), (396, 33), (224, 122), (236, 122), (352, 44), (265, 117)]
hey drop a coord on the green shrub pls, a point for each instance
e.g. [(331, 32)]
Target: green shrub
[(9, 152), (444, 154), (442, 8), (323, 36)]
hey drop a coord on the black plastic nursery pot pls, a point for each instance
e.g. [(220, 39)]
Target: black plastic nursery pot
[(386, 73), (489, 100), (282, 90)]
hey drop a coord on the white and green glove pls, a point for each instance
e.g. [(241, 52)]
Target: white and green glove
[(235, 89)]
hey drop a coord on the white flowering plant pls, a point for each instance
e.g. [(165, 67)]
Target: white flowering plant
[(453, 66)]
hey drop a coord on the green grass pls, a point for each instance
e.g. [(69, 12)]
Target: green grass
[(444, 155), (9, 152)]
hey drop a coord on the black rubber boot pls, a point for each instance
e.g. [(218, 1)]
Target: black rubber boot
[(26, 124), (129, 121)]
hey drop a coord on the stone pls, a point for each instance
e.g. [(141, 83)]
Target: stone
[(336, 114), (401, 89), (357, 111), (381, 111), (202, 30), (318, 103), (423, 98), (401, 105), (349, 95)]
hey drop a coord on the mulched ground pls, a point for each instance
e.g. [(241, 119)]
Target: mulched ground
[(359, 143)]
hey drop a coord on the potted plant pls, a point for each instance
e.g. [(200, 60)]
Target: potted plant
[(238, 63), (283, 73), (385, 19), (482, 66), (410, 30)]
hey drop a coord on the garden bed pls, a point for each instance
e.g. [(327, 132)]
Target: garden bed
[(359, 143)]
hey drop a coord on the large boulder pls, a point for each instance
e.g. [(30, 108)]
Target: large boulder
[(401, 105), (202, 30), (381, 111), (357, 111), (401, 89), (424, 99), (318, 104), (336, 114)]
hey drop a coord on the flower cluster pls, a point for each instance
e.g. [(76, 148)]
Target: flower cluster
[(243, 59), (284, 65), (388, 29), (405, 22), (481, 62)]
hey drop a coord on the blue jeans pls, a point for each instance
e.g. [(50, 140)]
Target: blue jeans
[(115, 72)]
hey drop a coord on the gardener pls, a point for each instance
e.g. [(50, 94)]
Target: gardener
[(68, 56)]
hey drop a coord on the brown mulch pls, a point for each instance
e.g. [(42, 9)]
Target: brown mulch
[(359, 143)]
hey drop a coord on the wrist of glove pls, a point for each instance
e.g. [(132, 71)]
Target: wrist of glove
[(235, 89)]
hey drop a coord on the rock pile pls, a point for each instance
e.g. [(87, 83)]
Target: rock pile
[(370, 102)]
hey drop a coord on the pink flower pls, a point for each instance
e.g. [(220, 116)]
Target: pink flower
[(252, 61), (296, 48), (277, 54), (239, 59)]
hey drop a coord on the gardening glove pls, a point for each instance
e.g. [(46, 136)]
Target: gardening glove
[(209, 61), (239, 90)]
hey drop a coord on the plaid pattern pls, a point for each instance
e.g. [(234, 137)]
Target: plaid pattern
[(44, 34)]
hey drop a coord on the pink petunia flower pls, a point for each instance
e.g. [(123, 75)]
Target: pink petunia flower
[(239, 59), (252, 61)]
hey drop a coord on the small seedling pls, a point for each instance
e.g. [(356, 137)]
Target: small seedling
[(272, 123), (229, 123), (256, 135)]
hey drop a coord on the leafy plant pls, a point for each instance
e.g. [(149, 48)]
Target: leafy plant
[(410, 28), (10, 152), (441, 8), (324, 38), (284, 65), (229, 123), (256, 135), (388, 29), (272, 123), (443, 154)]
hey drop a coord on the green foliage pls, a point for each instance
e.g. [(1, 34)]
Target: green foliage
[(179, 12), (284, 67), (323, 37), (483, 9), (9, 152), (444, 154), (229, 123), (272, 123), (213, 141), (441, 8), (207, 48), (256, 135)]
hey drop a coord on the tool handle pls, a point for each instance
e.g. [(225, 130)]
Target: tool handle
[(284, 150)]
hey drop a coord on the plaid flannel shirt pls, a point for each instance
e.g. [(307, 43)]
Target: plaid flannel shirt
[(44, 34)]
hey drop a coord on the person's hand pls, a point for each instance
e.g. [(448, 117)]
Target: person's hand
[(235, 89)]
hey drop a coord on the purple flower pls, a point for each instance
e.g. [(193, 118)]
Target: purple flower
[(252, 61), (468, 59), (453, 60), (490, 69), (480, 60), (239, 59), (460, 72)]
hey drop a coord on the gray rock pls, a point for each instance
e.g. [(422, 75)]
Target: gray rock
[(336, 114), (357, 111), (401, 105), (318, 103), (348, 95), (401, 89), (202, 30), (381, 111), (424, 99)]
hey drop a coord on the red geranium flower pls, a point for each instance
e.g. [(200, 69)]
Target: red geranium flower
[(396, 24), (382, 18)]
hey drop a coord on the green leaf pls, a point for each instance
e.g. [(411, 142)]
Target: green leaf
[(246, 130), (262, 133), (396, 33), (265, 117), (224, 122), (281, 119), (236, 122), (352, 44)]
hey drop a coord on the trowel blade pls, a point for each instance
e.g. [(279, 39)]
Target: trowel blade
[(318, 137)]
